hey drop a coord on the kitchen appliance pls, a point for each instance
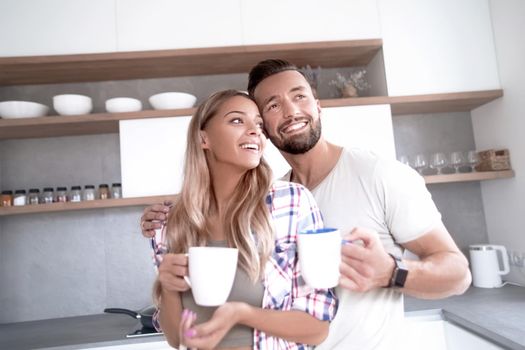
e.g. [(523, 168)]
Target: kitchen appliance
[(485, 265)]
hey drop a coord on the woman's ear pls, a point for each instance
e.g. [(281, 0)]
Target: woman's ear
[(204, 139)]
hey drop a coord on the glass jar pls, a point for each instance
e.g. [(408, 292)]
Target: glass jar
[(6, 199), (89, 193), (20, 198), (61, 195), (75, 194), (116, 190), (32, 198), (103, 191), (47, 195)]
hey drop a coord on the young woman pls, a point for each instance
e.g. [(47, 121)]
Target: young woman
[(228, 199)]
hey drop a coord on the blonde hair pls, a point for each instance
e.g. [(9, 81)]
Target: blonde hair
[(246, 214)]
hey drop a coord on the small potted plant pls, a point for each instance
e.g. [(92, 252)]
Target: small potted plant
[(351, 86)]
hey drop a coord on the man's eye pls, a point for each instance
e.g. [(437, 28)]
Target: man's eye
[(300, 97), (272, 106)]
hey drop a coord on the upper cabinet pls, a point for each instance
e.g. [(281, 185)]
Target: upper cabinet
[(55, 27), (437, 46), (167, 24), (278, 21)]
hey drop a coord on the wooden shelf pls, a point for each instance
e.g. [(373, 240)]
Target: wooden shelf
[(180, 62), (143, 201), (103, 123), (442, 103), (463, 177), (96, 204)]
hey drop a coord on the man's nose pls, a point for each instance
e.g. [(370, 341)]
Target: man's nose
[(290, 109)]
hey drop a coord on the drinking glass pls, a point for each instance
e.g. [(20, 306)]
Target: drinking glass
[(420, 163), (472, 159), (457, 159), (439, 161), (404, 159)]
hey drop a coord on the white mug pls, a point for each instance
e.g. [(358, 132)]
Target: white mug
[(320, 257), (211, 274)]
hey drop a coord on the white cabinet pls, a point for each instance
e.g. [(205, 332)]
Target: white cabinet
[(283, 21), (368, 127), (52, 27), (152, 150), (168, 24), (438, 46), (152, 155)]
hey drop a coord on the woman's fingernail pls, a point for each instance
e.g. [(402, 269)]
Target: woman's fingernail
[(190, 333), (185, 314)]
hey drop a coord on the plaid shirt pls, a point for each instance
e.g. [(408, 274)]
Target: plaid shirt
[(292, 209)]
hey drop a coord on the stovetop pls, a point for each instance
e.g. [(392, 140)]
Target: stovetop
[(143, 332)]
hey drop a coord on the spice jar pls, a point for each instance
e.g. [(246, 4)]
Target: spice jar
[(75, 194), (103, 191), (116, 190), (20, 198), (61, 195), (89, 193), (6, 199), (32, 198), (47, 195)]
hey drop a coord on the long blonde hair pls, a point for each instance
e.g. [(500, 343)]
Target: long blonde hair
[(247, 219)]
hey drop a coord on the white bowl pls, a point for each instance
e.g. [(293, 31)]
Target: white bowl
[(22, 109), (70, 104), (123, 104), (172, 100)]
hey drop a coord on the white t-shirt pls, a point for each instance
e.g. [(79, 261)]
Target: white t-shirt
[(364, 190)]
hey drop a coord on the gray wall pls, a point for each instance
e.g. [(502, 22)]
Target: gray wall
[(459, 203), (78, 263)]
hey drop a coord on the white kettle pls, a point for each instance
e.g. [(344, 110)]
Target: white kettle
[(486, 271)]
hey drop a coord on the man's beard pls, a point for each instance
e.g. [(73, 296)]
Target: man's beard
[(299, 144)]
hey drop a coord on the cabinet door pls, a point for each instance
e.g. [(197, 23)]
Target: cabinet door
[(168, 24), (282, 21), (52, 27), (438, 46), (152, 155), (368, 127)]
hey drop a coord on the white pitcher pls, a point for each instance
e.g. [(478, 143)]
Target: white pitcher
[(486, 271)]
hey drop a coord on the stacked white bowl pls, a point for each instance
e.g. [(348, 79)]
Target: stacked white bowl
[(72, 104), (172, 100), (22, 109), (123, 104)]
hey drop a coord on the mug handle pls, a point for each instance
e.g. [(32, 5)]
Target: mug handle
[(187, 278), (504, 258)]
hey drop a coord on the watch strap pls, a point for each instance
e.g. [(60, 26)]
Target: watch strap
[(399, 274)]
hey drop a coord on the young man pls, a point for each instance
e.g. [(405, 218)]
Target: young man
[(382, 205)]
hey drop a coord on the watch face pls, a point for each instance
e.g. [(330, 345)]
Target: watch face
[(401, 273)]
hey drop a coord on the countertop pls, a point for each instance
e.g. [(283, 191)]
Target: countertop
[(496, 314)]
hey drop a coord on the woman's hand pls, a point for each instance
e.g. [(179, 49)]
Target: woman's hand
[(172, 270), (154, 217), (208, 335)]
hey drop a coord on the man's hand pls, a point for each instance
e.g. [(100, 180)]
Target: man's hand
[(154, 217), (365, 264), (172, 271)]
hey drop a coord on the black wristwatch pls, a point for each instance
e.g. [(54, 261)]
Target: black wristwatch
[(400, 273)]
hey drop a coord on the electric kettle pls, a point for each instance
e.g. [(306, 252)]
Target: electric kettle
[(485, 266)]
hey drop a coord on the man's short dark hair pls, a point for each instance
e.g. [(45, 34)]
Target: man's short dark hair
[(265, 69)]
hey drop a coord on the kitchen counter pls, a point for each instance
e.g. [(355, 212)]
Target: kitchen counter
[(72, 333), (496, 314)]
